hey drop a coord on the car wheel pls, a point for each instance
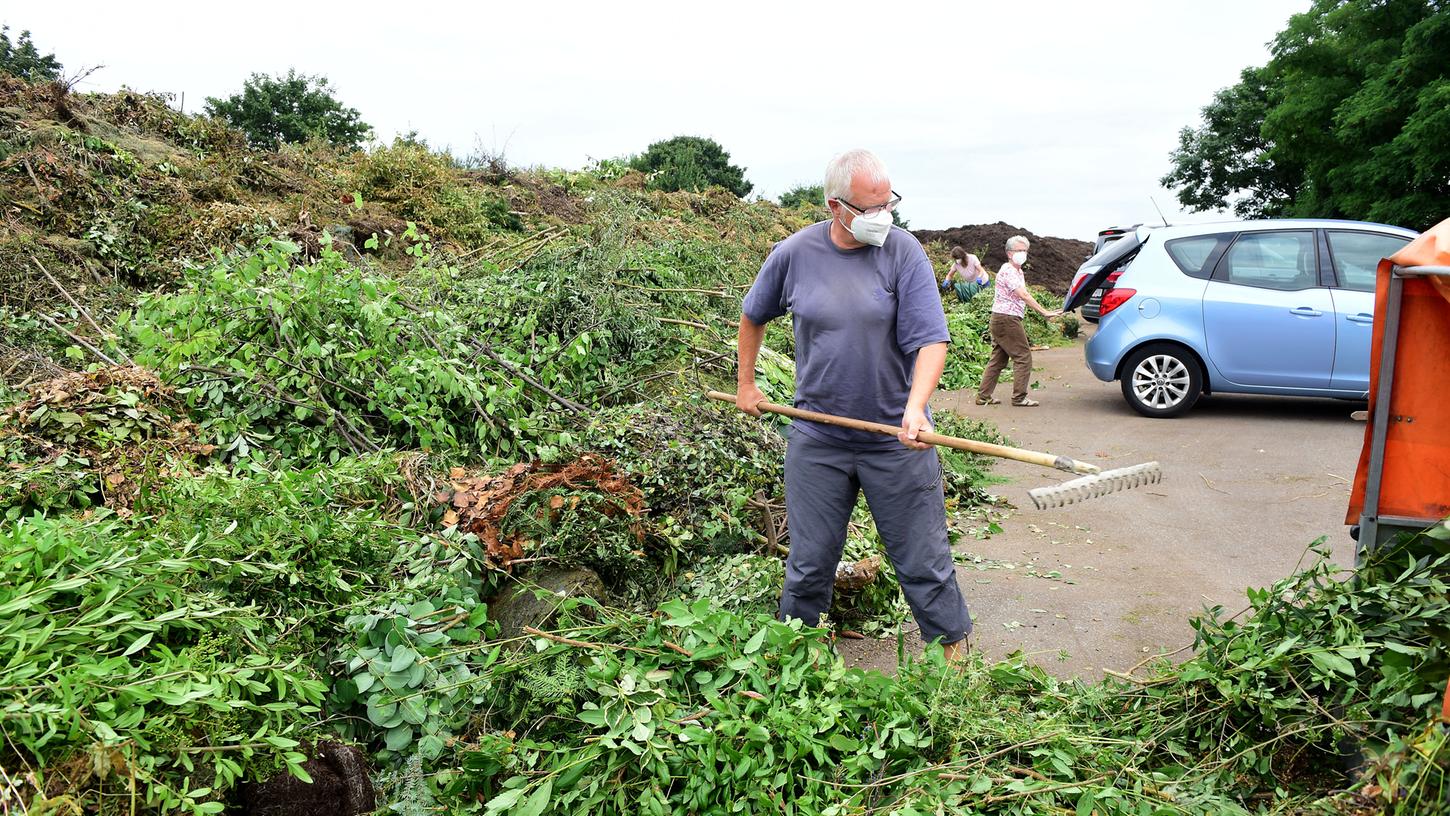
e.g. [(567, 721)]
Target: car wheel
[(1162, 381)]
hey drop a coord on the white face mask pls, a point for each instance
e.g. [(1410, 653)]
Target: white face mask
[(1019, 257), (871, 229)]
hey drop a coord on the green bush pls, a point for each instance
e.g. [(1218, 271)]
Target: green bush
[(691, 163), (323, 532), (292, 108), (804, 196), (425, 187), (699, 465), (697, 709)]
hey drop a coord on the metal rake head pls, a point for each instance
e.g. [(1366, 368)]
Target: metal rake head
[(1098, 484)]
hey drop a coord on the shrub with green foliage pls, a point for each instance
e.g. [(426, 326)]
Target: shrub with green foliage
[(698, 463), (691, 163), (292, 108), (425, 187), (804, 196)]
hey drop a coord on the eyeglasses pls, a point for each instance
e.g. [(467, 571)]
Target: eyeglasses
[(869, 211)]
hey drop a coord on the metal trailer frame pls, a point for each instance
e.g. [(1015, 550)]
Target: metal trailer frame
[(1375, 529)]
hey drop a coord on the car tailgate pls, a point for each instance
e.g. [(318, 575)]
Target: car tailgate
[(1096, 269)]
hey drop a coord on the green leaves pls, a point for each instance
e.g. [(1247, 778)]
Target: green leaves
[(691, 163), (1331, 663), (1347, 119), (138, 644), (116, 636), (290, 108)]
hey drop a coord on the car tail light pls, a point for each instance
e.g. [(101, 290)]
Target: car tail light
[(1113, 278), (1077, 284), (1114, 298)]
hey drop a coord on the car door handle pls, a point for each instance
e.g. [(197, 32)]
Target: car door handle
[(1360, 318), (1305, 311)]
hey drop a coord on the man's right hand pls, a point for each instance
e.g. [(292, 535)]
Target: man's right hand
[(747, 396)]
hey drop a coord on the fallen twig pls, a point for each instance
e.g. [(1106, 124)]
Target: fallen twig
[(84, 313), (991, 800), (675, 647), (691, 323), (68, 333), (698, 715), (714, 292), (31, 172), (570, 405), (1136, 680), (1211, 487), (583, 644)]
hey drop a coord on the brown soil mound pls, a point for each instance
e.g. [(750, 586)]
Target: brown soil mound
[(1050, 264)]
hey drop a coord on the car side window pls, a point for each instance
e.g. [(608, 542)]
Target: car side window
[(1195, 255), (1271, 260), (1356, 255)]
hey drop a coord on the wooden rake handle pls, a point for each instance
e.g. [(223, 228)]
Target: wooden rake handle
[(968, 445)]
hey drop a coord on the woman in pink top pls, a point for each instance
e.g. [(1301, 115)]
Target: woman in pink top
[(971, 278), (1009, 339)]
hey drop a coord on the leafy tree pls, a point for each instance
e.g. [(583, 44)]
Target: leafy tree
[(24, 60), (291, 108), (804, 195), (1349, 118), (691, 163)]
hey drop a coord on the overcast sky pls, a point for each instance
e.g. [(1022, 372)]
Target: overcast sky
[(1053, 116)]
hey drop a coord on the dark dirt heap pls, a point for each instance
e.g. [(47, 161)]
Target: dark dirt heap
[(1050, 264)]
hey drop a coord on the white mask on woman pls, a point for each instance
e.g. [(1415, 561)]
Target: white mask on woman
[(1019, 257)]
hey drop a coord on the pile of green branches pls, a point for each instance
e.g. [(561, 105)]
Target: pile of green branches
[(1321, 697)]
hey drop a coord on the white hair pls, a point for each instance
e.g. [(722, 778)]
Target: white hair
[(1018, 239), (847, 166)]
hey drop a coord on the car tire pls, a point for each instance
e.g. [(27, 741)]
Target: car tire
[(1162, 381)]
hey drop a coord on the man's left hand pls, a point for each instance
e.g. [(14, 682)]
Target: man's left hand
[(913, 422)]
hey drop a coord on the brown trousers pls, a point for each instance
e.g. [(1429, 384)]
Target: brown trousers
[(1009, 341)]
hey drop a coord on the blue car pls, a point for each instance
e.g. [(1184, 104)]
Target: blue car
[(1281, 306)]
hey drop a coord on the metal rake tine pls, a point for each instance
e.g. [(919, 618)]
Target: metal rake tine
[(1100, 484)]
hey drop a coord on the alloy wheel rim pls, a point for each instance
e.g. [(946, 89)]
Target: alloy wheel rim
[(1161, 381)]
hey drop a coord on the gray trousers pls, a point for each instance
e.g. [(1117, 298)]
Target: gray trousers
[(904, 491)]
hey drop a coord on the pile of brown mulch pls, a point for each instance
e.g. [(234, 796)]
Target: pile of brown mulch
[(1051, 262)]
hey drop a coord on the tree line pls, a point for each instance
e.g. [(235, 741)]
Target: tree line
[(1349, 118)]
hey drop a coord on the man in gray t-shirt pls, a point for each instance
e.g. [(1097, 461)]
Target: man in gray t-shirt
[(870, 340)]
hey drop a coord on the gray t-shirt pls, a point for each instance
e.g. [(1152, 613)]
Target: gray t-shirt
[(860, 315)]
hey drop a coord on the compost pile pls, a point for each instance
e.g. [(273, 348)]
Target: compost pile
[(331, 480), (1050, 264)]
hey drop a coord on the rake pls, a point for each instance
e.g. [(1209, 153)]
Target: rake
[(1095, 481)]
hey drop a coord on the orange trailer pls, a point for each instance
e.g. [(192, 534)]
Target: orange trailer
[(1403, 480)]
